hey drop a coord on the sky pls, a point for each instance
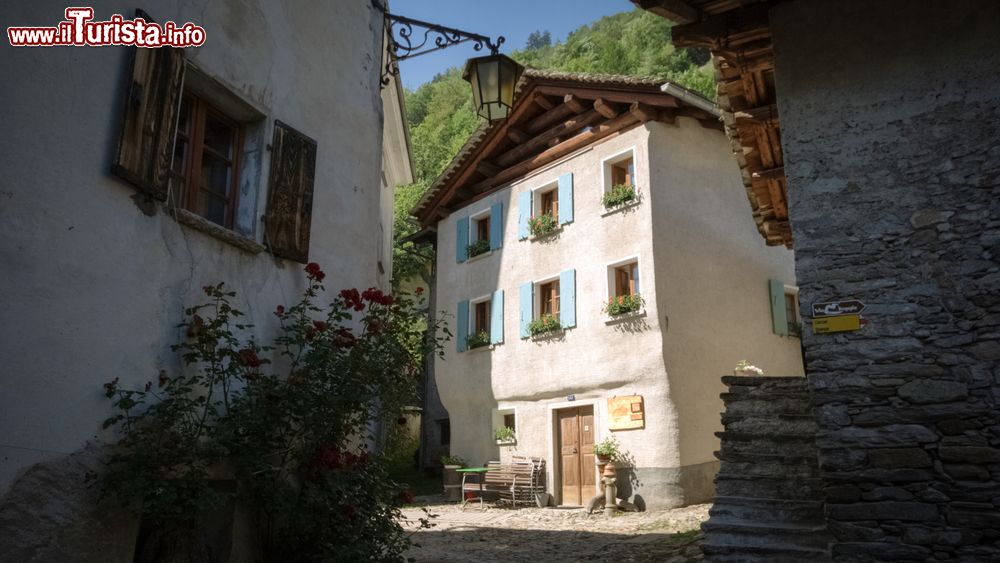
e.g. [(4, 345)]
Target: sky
[(514, 19)]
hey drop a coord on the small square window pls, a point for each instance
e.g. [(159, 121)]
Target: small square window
[(204, 172), (623, 173), (510, 422), (548, 299), (626, 279), (548, 203), (482, 317), (792, 313), (482, 226)]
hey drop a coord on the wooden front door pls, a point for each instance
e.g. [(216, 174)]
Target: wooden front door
[(576, 454)]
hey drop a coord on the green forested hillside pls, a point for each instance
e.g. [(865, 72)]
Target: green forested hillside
[(441, 116)]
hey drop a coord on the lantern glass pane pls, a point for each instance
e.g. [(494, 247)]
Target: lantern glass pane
[(489, 74)]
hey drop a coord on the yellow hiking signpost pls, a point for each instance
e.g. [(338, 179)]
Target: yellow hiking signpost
[(842, 323)]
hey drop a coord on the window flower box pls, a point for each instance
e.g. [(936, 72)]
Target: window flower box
[(505, 436), (624, 305), (619, 195), (478, 340), (481, 246), (542, 225), (544, 324)]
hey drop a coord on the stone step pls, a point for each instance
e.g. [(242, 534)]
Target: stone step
[(768, 510), (722, 530), (778, 468), (752, 456), (775, 553), (798, 425), (784, 444), (768, 487), (776, 405)]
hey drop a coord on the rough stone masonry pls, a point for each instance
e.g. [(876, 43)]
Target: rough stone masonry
[(892, 155)]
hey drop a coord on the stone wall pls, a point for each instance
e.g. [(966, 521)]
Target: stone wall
[(890, 121)]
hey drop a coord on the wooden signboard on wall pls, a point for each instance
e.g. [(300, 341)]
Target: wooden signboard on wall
[(626, 412)]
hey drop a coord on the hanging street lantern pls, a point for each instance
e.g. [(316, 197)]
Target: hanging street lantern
[(493, 79)]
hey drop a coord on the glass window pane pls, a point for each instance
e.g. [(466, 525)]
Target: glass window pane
[(212, 207), (215, 174), (219, 136)]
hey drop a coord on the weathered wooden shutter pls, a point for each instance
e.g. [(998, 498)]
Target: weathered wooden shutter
[(523, 214), (288, 219), (527, 295), (566, 198), (149, 121), (496, 226), (463, 326), (567, 298), (496, 317), (779, 321), (462, 240)]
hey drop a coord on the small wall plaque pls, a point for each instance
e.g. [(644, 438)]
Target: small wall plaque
[(626, 412)]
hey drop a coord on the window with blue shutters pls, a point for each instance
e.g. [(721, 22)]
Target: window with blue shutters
[(462, 325), (496, 226), (496, 317), (566, 198), (523, 215)]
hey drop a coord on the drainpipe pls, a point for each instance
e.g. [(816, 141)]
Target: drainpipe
[(690, 98)]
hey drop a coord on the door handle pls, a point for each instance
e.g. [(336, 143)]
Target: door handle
[(574, 450)]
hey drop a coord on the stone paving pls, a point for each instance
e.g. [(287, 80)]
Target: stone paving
[(548, 535)]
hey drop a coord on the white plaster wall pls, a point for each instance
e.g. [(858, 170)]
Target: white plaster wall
[(712, 272), (90, 287)]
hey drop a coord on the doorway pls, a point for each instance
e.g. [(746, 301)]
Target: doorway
[(575, 444)]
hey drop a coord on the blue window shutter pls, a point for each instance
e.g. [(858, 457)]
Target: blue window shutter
[(496, 317), (778, 320), (496, 226), (462, 239), (567, 298), (524, 213), (566, 198), (527, 303), (463, 325)]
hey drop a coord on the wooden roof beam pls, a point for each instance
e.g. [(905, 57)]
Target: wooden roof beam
[(487, 168), (539, 141), (729, 29), (516, 135), (554, 115), (675, 10), (543, 102), (609, 111), (622, 97), (643, 112), (574, 103)]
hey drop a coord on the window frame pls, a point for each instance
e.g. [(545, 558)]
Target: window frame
[(473, 305), (609, 162), (791, 290), (474, 220), (199, 110), (610, 281), (537, 309), (536, 198)]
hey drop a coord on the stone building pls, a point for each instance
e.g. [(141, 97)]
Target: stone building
[(644, 211), (106, 238), (867, 133)]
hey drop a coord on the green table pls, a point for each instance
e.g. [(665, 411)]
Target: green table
[(481, 472)]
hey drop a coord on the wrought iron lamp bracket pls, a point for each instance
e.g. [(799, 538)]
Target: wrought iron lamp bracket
[(409, 38)]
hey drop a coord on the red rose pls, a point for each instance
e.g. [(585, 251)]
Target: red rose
[(248, 357), (164, 379), (314, 272), (279, 311), (320, 325)]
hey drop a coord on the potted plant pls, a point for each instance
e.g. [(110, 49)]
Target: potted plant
[(624, 304), (608, 450), (504, 436), (618, 195), (481, 246), (744, 368), (544, 324), (478, 339), (542, 224), (452, 480)]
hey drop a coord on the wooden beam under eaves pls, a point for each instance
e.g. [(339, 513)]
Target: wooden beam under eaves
[(487, 168), (730, 29), (604, 108), (675, 10), (574, 103), (516, 135)]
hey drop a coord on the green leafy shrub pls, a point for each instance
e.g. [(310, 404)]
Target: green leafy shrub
[(481, 246), (478, 339), (542, 224), (291, 439), (544, 324), (504, 434), (623, 304), (618, 195), (454, 460)]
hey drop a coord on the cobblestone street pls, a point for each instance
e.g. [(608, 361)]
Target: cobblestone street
[(555, 534)]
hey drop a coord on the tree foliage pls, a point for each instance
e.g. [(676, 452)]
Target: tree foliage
[(441, 117)]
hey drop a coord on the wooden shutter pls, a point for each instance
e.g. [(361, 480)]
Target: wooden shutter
[(496, 226), (463, 325), (567, 298), (526, 304), (288, 219), (566, 198), (524, 213), (779, 323), (149, 121), (496, 317), (462, 240)]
